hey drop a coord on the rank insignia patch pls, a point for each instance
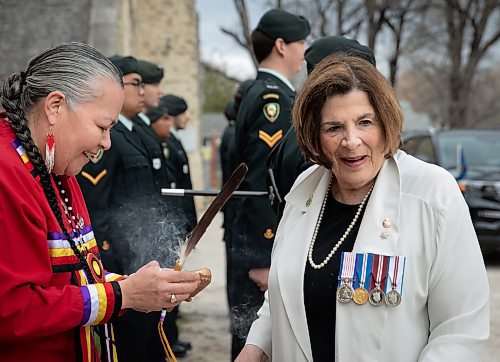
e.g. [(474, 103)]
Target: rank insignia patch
[(271, 111), (270, 140), (94, 180)]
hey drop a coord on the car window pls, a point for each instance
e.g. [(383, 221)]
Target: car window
[(481, 149), (410, 145), (425, 150), (420, 147)]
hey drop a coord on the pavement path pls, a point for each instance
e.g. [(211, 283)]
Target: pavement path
[(205, 320)]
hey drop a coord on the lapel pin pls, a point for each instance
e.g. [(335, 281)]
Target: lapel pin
[(384, 235), (386, 223), (309, 201)]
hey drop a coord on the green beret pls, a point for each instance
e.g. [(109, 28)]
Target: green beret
[(174, 105), (231, 110), (150, 72), (323, 47), (280, 24), (155, 114), (242, 90), (125, 65)]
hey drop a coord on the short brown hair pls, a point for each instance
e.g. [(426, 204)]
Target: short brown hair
[(262, 45), (339, 74)]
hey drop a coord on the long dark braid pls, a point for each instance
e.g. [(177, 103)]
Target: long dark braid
[(11, 102)]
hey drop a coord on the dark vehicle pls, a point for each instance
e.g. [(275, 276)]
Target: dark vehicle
[(473, 157)]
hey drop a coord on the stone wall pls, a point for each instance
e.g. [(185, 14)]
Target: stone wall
[(30, 26), (162, 31)]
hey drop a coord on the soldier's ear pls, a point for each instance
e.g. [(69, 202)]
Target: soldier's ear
[(280, 46)]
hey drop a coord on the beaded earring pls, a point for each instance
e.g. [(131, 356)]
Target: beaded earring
[(50, 149)]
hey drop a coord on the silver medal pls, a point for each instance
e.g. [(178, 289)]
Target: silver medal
[(376, 296), (345, 293), (393, 298)]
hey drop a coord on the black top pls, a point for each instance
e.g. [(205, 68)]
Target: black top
[(320, 286), (162, 175)]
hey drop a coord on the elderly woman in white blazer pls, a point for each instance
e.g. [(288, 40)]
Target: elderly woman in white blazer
[(429, 300)]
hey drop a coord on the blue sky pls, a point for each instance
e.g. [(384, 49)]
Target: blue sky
[(218, 48)]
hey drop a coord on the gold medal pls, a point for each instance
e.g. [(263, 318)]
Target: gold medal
[(360, 296)]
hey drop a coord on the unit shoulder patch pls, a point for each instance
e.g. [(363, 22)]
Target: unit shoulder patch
[(271, 111)]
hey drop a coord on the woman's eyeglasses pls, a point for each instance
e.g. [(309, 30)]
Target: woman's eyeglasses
[(135, 84)]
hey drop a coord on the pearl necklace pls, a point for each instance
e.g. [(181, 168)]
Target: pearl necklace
[(339, 243)]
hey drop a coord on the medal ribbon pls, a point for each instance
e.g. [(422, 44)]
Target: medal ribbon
[(395, 274), (341, 268), (363, 270), (357, 268), (403, 264), (379, 270), (385, 270), (374, 267), (347, 266)]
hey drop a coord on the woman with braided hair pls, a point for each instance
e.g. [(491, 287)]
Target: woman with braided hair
[(56, 300)]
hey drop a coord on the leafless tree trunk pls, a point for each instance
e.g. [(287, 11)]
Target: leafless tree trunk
[(468, 41), (376, 18), (398, 19)]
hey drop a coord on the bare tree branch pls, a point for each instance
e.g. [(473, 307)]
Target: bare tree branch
[(244, 40)]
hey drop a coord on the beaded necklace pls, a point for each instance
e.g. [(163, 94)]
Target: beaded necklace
[(341, 240), (76, 222)]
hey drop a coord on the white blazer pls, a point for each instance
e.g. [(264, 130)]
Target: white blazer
[(444, 311)]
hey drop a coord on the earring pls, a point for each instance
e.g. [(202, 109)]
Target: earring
[(50, 148)]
